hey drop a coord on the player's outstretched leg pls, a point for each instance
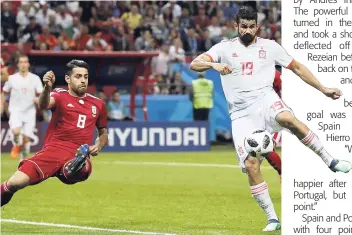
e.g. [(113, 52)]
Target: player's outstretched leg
[(18, 181), (79, 161), (260, 192), (16, 149), (309, 139), (275, 161)]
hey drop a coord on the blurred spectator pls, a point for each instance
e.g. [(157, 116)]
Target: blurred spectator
[(178, 86), (185, 20), (104, 9), (201, 20), (174, 8), (24, 13), (161, 32), (47, 38), (229, 9), (207, 42), (132, 19), (82, 38), (8, 23), (54, 28), (214, 30), (160, 64), (92, 27), (166, 17), (44, 14), (43, 46), (31, 31), (220, 16), (150, 18), (192, 43), (144, 42), (177, 53), (72, 6), (116, 108), (120, 41), (63, 18), (74, 29), (65, 43), (96, 43), (101, 95), (86, 8)]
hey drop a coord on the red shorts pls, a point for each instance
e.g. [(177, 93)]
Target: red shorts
[(46, 163)]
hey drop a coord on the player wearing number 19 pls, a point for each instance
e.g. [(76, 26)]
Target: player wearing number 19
[(247, 68), (65, 155)]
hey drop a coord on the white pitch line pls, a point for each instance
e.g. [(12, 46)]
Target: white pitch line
[(175, 164), (82, 227)]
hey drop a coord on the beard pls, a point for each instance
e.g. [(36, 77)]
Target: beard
[(246, 39)]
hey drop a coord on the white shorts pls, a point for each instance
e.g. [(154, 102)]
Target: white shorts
[(262, 117), (25, 121)]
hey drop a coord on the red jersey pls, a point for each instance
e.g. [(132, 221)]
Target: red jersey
[(74, 120), (277, 83)]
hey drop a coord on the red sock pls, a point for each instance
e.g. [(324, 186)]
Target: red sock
[(6, 194), (275, 161)]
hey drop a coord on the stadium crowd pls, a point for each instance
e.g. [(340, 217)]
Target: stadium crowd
[(179, 30)]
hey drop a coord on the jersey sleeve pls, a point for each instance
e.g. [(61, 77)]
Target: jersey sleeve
[(281, 56), (38, 86), (7, 86), (214, 53), (102, 120), (55, 94)]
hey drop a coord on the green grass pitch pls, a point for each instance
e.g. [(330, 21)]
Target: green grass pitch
[(144, 192)]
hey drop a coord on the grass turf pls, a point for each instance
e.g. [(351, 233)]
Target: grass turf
[(149, 198)]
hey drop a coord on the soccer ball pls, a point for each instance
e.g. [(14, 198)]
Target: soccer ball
[(259, 142), (82, 175)]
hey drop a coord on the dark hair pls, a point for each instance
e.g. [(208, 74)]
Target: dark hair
[(75, 64), (246, 13), (21, 56)]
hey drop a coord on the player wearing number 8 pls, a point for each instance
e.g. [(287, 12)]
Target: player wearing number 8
[(65, 154), (247, 68)]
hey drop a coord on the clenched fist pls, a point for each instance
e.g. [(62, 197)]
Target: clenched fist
[(223, 69), (49, 78)]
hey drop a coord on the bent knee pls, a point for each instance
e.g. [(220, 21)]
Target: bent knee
[(287, 120), (16, 131), (252, 164)]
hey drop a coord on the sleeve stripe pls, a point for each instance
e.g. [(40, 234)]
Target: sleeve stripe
[(211, 58), (289, 65)]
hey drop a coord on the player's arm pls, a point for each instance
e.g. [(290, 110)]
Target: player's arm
[(100, 142), (102, 138), (45, 101), (204, 62), (303, 72)]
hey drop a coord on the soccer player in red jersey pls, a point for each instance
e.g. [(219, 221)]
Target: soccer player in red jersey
[(65, 154)]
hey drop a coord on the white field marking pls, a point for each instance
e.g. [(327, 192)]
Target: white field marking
[(82, 227), (175, 164), (185, 164)]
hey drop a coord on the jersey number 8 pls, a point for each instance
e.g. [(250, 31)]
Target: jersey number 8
[(81, 121)]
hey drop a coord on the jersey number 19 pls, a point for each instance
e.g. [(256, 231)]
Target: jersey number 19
[(247, 68)]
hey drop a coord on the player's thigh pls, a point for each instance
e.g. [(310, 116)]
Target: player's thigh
[(44, 164), (274, 106), (241, 128), (29, 126), (15, 122)]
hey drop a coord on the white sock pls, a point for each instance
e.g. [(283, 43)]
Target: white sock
[(312, 141), (26, 149), (261, 193)]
